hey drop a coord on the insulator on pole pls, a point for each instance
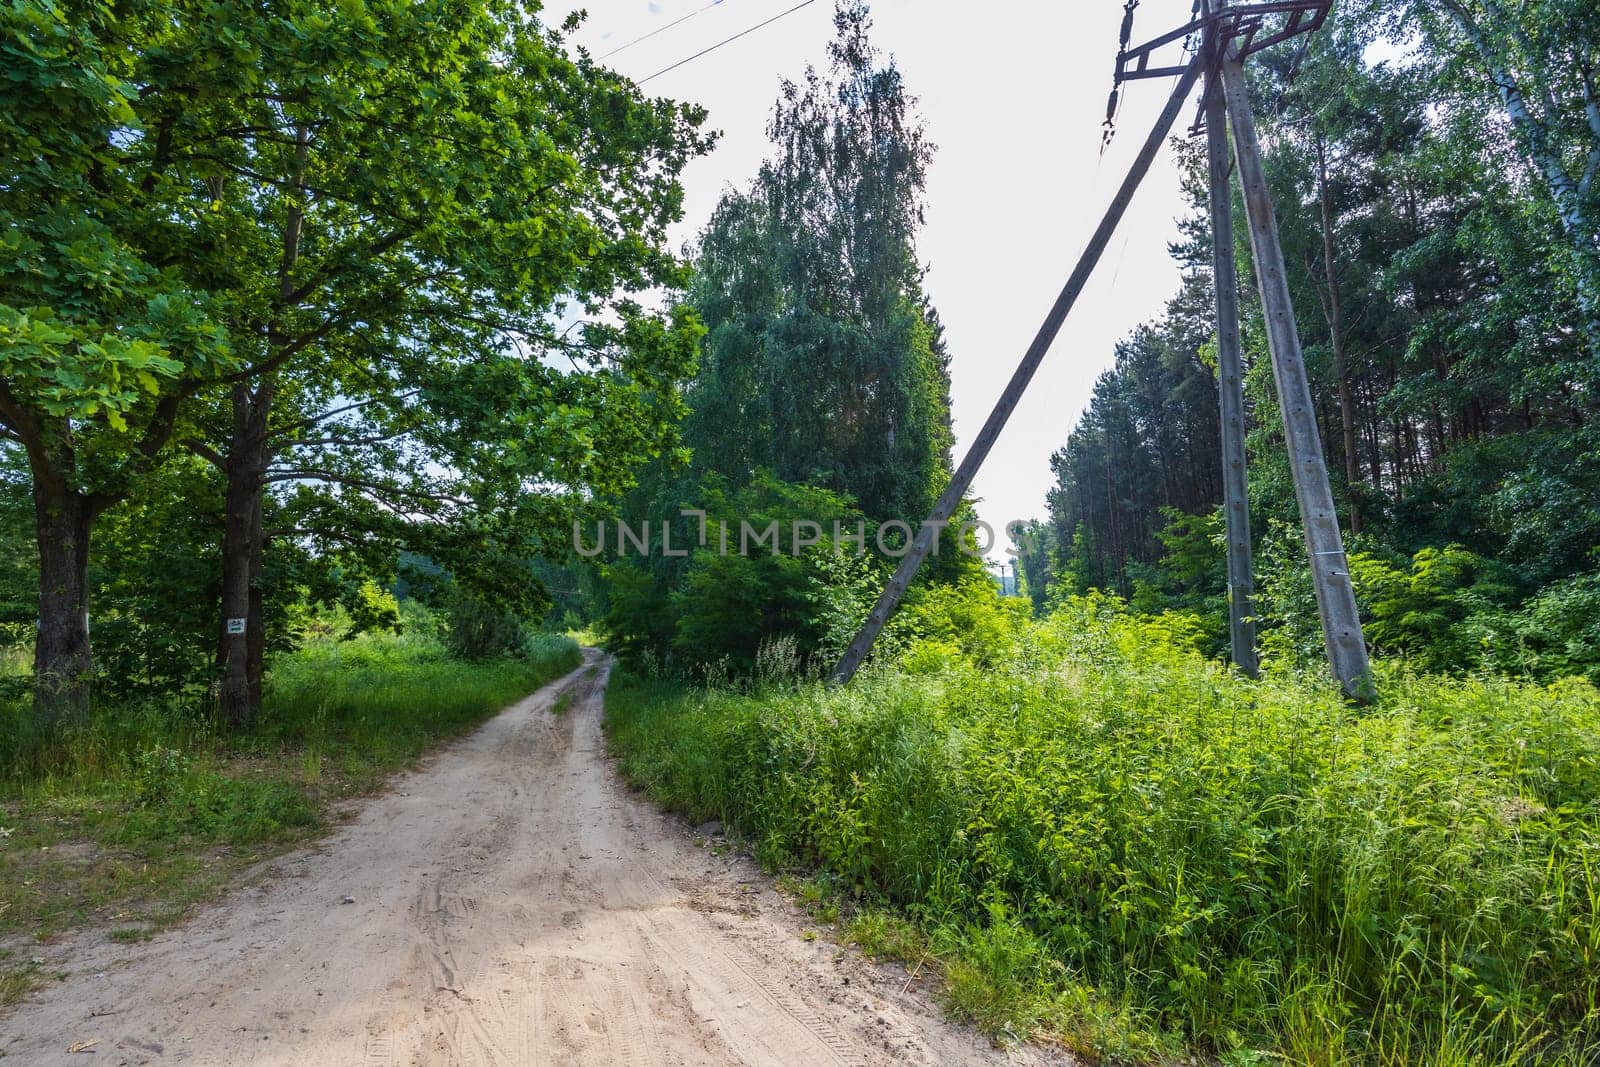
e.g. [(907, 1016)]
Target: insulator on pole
[(1116, 77)]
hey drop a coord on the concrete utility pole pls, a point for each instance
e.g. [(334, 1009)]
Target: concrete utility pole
[(1230, 390), (1330, 571), (900, 581)]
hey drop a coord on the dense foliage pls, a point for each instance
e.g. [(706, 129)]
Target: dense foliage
[(1108, 838), (289, 291), (1440, 215), (823, 389), (823, 361)]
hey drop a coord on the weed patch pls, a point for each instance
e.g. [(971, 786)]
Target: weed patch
[(1115, 843)]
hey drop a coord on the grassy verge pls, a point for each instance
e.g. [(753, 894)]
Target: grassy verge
[(147, 811), (1114, 844)]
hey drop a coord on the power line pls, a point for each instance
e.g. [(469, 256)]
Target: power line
[(661, 29), (728, 40)]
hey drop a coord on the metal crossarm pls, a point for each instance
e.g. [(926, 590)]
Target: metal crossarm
[(1242, 23), (1239, 23)]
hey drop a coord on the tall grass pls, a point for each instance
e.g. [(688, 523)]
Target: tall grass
[(1114, 841), (379, 699), (156, 801), (384, 700)]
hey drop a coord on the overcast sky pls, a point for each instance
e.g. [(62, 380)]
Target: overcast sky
[(1013, 94)]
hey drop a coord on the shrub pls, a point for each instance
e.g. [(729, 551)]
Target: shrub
[(157, 773), (477, 631), (1555, 634)]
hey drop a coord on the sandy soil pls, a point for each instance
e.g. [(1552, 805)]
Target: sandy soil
[(508, 903)]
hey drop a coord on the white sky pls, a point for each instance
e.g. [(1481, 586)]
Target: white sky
[(1013, 94)]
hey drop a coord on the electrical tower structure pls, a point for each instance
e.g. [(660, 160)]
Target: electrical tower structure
[(1227, 35)]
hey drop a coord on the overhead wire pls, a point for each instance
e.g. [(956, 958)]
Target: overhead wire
[(662, 29), (726, 40)]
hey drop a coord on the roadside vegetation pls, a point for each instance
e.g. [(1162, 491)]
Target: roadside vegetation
[(1105, 839), (1062, 802), (321, 332), (292, 405), (151, 807)]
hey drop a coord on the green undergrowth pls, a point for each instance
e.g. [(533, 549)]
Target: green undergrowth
[(148, 810), (1112, 843)]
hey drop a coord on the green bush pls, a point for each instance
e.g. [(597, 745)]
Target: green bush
[(1555, 634), (157, 773), (1118, 840), (477, 631)]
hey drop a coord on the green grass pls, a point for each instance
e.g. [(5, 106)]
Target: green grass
[(15, 980), (148, 810), (1116, 845)]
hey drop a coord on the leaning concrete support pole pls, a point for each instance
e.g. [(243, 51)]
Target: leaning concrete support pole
[(1330, 572), (1230, 388), (889, 600)]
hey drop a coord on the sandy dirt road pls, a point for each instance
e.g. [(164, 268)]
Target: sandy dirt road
[(509, 903)]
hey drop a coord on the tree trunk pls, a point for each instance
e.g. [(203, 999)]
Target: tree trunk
[(240, 691), (62, 666), (255, 621), (242, 649), (1111, 512)]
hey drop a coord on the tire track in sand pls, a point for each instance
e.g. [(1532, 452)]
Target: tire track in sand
[(509, 902)]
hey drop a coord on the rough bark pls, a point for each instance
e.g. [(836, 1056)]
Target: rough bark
[(63, 668), (255, 622), (245, 468), (64, 515)]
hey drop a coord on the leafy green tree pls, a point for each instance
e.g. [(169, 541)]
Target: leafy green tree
[(1538, 62), (98, 330), (729, 605), (716, 593), (1149, 441), (823, 384), (1033, 547), (383, 207), (1440, 296), (824, 362)]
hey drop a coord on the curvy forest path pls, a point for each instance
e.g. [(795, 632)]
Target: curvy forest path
[(507, 903)]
